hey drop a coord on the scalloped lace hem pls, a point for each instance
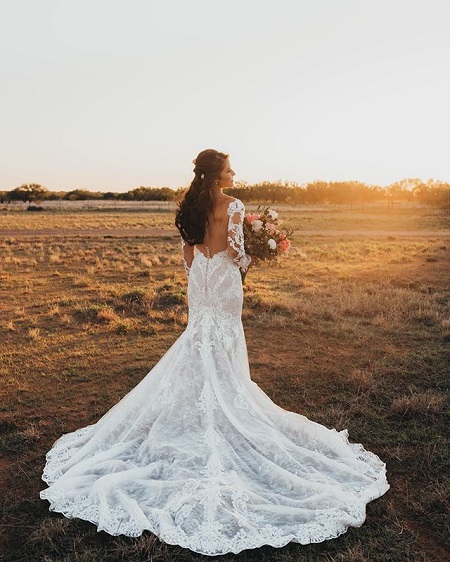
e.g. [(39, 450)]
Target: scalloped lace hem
[(324, 525), (328, 526)]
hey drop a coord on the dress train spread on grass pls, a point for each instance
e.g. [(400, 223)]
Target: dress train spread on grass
[(199, 455)]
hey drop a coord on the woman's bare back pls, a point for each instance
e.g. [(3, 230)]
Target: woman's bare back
[(216, 232)]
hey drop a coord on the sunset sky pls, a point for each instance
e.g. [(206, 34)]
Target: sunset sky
[(110, 95)]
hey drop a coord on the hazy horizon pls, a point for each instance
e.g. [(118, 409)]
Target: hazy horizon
[(113, 95), (408, 186)]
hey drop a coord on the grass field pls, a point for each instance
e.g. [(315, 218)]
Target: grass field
[(355, 326)]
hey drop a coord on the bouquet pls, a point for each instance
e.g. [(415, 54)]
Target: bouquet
[(263, 239)]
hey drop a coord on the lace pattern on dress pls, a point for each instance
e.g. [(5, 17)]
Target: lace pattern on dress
[(236, 233), (199, 455), (187, 269)]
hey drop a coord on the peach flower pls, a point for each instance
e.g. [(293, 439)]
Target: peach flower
[(283, 245)]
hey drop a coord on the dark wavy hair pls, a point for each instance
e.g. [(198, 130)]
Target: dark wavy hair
[(191, 217)]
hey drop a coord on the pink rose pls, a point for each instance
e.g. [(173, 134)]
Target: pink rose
[(270, 226), (249, 217), (283, 245)]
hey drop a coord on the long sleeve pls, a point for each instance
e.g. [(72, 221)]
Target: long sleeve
[(235, 240), (188, 256)]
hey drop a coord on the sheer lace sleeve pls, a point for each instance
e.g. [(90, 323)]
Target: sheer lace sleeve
[(235, 238), (188, 256)]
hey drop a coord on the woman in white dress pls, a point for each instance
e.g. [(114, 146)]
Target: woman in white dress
[(197, 453)]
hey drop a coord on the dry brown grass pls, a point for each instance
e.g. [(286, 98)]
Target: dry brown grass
[(34, 333), (425, 403), (107, 314), (355, 334)]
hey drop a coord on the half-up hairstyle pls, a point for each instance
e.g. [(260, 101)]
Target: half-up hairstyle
[(191, 217)]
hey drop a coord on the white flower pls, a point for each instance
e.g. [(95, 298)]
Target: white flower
[(272, 214), (257, 225), (272, 244)]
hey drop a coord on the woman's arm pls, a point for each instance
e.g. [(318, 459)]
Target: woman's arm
[(188, 256), (235, 240)]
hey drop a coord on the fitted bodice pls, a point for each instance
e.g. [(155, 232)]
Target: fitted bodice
[(215, 297)]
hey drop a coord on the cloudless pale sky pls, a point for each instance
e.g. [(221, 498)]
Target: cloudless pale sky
[(114, 94)]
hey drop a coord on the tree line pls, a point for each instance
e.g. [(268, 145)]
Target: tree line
[(431, 192)]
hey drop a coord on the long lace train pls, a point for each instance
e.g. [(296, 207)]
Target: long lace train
[(199, 455)]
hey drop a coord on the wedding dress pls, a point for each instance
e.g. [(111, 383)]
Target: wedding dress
[(199, 455)]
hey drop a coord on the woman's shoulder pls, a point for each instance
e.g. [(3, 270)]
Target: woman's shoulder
[(234, 204)]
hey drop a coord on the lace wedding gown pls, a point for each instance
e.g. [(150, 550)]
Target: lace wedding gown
[(199, 455)]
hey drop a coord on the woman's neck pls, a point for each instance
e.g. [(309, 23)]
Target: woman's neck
[(217, 193)]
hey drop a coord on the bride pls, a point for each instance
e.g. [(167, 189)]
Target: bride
[(197, 453)]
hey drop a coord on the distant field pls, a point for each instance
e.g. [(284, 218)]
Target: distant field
[(150, 216), (355, 327)]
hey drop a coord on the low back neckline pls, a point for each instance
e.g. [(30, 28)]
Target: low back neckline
[(208, 253)]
